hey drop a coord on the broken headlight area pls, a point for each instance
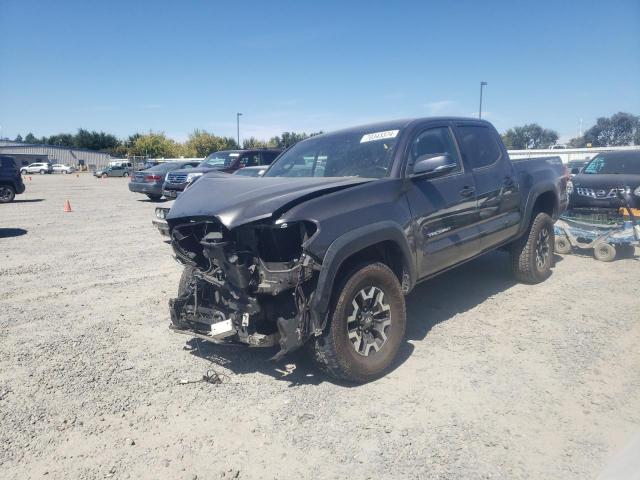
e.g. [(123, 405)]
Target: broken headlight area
[(251, 284)]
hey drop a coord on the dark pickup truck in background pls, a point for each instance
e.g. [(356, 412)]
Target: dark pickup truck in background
[(11, 182), (323, 248), (226, 161)]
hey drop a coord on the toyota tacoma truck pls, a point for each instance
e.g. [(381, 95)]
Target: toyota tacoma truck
[(322, 249)]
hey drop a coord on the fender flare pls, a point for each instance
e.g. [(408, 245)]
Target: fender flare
[(344, 247), (532, 197)]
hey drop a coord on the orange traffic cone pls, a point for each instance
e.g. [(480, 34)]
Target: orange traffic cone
[(67, 206)]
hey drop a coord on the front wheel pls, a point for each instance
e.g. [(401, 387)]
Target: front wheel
[(154, 198), (125, 174), (7, 194), (104, 175), (42, 172), (366, 325), (532, 254)]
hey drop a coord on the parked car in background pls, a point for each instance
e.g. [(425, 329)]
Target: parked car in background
[(113, 171), (576, 166), (41, 168), (251, 171), (559, 146), (324, 248), (160, 215), (227, 161), (607, 175), (10, 180), (60, 168), (150, 181)]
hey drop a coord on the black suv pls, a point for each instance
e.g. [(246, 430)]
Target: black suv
[(10, 179), (225, 161)]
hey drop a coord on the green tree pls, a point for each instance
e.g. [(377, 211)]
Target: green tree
[(618, 130), (254, 142), (94, 140), (288, 139), (201, 143), (62, 140), (529, 136), (30, 138), (155, 145), (18, 138)]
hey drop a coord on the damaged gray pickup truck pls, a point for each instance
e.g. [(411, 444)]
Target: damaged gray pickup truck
[(322, 250)]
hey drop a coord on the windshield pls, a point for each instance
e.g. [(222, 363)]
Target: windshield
[(612, 163), (220, 159), (360, 153)]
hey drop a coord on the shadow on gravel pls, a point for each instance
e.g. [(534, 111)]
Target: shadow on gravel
[(456, 291), (430, 303), (12, 232), (297, 368), (30, 200), (149, 200)]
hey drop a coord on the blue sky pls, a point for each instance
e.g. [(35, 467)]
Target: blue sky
[(127, 66)]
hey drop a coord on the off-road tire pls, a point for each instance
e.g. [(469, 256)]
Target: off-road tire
[(562, 245), (185, 279), (605, 252), (8, 194), (333, 351), (523, 252)]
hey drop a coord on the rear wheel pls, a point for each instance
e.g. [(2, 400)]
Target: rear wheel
[(605, 252), (532, 254), (366, 325), (42, 172), (125, 174), (7, 194), (155, 198)]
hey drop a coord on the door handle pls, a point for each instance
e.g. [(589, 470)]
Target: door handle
[(467, 191)]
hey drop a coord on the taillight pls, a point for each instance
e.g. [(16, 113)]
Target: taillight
[(152, 178)]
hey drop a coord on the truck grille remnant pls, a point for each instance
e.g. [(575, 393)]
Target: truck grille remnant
[(251, 284)]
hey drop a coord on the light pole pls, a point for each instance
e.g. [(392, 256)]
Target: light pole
[(482, 84), (238, 115)]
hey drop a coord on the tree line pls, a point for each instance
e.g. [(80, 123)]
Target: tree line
[(618, 130), (621, 129), (157, 145)]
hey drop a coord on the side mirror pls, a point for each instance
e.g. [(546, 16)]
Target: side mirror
[(429, 166)]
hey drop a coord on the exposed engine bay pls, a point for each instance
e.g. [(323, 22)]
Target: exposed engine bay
[(251, 284)]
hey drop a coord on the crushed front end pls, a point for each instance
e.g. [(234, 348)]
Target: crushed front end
[(251, 284)]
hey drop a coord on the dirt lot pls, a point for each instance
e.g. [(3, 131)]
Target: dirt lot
[(496, 379)]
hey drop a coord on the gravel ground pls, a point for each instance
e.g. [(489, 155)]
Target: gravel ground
[(496, 379)]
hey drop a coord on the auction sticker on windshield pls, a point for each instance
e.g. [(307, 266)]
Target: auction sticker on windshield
[(371, 137)]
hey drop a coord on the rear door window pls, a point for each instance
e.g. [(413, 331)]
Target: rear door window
[(479, 145)]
